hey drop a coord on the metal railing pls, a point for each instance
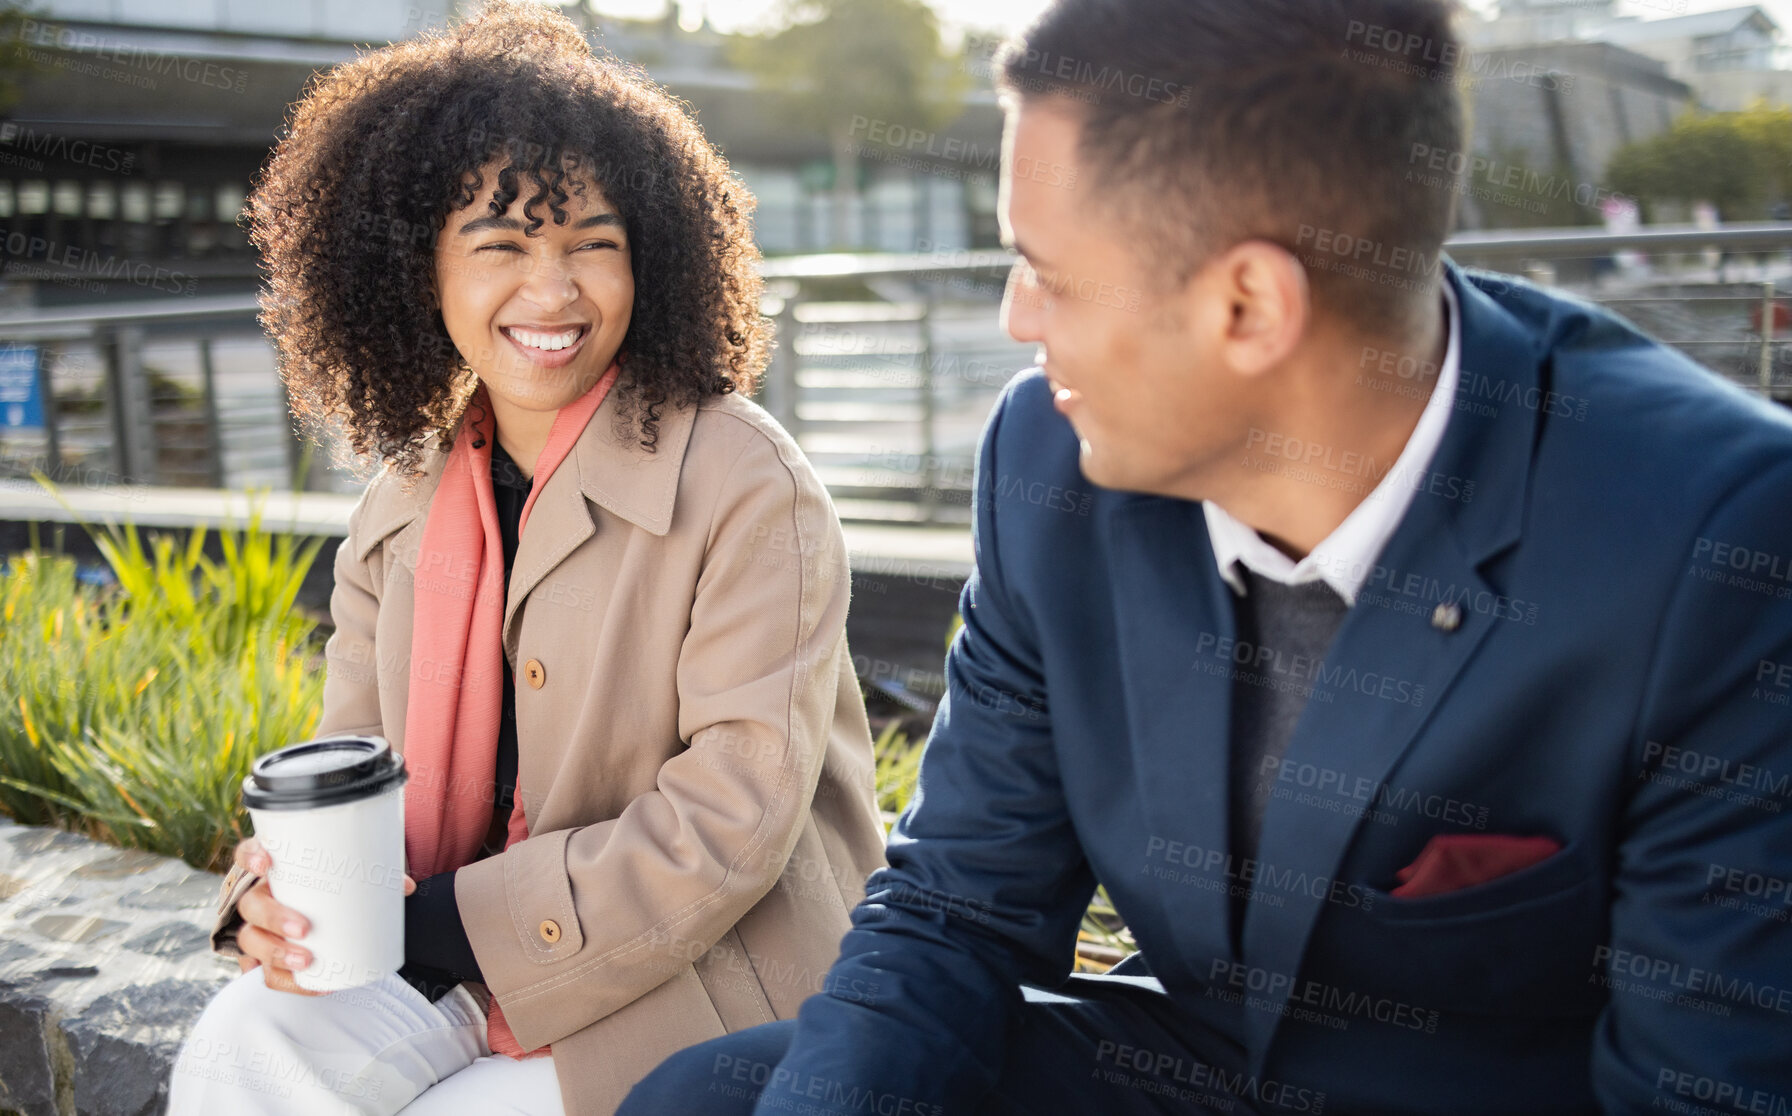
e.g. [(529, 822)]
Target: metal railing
[(153, 393), (885, 367)]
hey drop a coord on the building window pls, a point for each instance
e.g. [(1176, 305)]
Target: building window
[(170, 198), (67, 199), (102, 200), (34, 197), (230, 202), (133, 202)]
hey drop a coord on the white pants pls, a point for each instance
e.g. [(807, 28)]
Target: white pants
[(371, 1051)]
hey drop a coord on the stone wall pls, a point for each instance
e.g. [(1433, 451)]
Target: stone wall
[(104, 966), (1548, 118)]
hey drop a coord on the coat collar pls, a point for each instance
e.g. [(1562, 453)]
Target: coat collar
[(611, 469), (618, 475), (1502, 398)]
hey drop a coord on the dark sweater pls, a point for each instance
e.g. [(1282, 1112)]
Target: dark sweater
[(1296, 625), (438, 955)]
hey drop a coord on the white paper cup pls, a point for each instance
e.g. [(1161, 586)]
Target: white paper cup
[(330, 813)]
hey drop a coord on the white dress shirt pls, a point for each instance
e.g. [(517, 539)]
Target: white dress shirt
[(1345, 557)]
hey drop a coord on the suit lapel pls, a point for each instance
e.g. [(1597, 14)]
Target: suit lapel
[(1394, 659), (1173, 623), (1378, 685)]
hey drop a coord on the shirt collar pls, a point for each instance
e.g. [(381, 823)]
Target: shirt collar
[(1344, 558)]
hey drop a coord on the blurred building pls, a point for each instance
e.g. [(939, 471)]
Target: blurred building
[(1526, 22), (1729, 58), (142, 123), (140, 129), (1546, 120), (1550, 102)]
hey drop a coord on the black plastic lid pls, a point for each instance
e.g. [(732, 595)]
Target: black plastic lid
[(323, 772)]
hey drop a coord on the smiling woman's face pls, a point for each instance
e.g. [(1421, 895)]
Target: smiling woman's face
[(538, 316)]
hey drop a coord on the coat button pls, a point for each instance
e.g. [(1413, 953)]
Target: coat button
[(535, 673), (549, 930)]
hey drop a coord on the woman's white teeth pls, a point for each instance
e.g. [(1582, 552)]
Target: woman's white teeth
[(547, 342)]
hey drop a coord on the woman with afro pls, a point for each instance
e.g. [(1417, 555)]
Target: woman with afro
[(595, 597)]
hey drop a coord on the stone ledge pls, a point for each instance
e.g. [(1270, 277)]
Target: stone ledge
[(105, 962)]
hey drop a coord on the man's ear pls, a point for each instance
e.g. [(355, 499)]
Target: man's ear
[(1268, 304)]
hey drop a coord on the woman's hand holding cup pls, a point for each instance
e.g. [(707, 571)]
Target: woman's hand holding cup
[(270, 931)]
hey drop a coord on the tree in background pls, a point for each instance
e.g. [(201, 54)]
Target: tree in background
[(1741, 162), (839, 61), (1768, 129)]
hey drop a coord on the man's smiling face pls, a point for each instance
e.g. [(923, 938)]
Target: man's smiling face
[(1122, 346)]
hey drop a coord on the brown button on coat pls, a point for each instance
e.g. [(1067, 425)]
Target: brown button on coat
[(695, 762)]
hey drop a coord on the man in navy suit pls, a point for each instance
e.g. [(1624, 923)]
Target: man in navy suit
[(1407, 651)]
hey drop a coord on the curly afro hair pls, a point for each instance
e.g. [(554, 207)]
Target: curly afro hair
[(381, 150)]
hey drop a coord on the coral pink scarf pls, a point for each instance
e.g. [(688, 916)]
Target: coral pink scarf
[(451, 716)]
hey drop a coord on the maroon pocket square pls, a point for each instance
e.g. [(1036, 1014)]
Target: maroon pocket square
[(1453, 861)]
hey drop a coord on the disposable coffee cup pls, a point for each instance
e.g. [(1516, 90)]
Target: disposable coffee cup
[(330, 813)]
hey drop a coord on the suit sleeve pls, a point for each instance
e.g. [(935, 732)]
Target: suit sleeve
[(1699, 959), (351, 698), (643, 895), (986, 884)]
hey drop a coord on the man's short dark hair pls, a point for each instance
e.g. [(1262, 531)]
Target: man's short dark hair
[(1210, 122)]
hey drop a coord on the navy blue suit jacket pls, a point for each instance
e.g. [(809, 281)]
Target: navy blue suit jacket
[(1615, 525)]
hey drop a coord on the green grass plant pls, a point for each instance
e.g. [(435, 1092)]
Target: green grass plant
[(1103, 938), (134, 711)]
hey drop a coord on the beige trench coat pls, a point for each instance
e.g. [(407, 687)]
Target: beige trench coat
[(695, 765)]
